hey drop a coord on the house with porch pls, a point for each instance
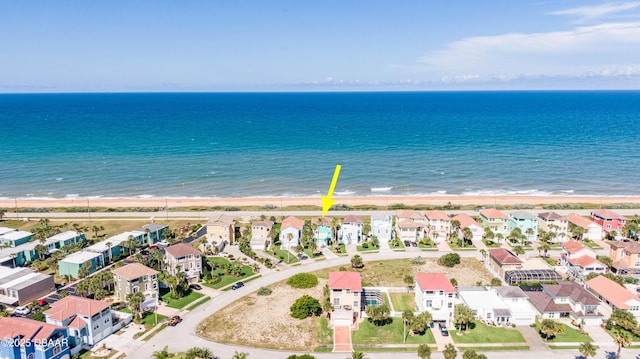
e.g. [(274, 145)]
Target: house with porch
[(28, 338), (591, 230), (613, 296), (566, 299), (70, 265), (608, 220), (323, 233), (382, 227), (579, 260), (290, 232), (497, 221), (527, 222), (502, 260), (551, 222), (410, 225), (347, 297), (626, 257), (437, 222), (221, 228), (15, 238), (182, 257), (466, 221), (351, 230), (435, 294), (134, 278), (260, 231), (89, 321)]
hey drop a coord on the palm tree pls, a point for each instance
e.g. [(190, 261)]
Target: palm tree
[(544, 247), (467, 235), (162, 354), (449, 351), (356, 354), (172, 282), (108, 244), (587, 350), (483, 252), (550, 328), (2, 212), (199, 353), (455, 226), (518, 250), (40, 251), (240, 355), (134, 300), (621, 339)]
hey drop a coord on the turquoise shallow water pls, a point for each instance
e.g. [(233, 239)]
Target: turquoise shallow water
[(282, 144)]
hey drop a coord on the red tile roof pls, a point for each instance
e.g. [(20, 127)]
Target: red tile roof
[(182, 250), (408, 223), (28, 329), (437, 214), (323, 221), (415, 215), (294, 222), (345, 280), (611, 291), (77, 322), (573, 246), (434, 281), (606, 214), (503, 256), (134, 271), (465, 220), (266, 224), (71, 305), (493, 213), (578, 220), (352, 219), (583, 261)]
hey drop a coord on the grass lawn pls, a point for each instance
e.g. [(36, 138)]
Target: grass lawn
[(368, 249), (286, 256), (555, 246), (482, 333), (403, 301), (245, 281), (490, 244), (502, 347), (550, 261), (570, 335), (309, 254), (391, 333), (592, 245), (89, 355), (340, 249), (162, 326), (149, 321), (634, 338), (180, 302), (423, 246), (195, 305), (224, 278), (325, 334)]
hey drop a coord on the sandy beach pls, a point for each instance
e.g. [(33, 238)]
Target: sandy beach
[(299, 201)]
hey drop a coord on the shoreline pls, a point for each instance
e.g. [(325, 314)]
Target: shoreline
[(381, 201)]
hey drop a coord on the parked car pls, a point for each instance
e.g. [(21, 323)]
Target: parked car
[(22, 310), (407, 243), (195, 286), (223, 254), (144, 252), (443, 330), (173, 321), (237, 285), (42, 302)]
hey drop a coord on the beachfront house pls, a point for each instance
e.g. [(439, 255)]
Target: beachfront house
[(323, 233), (23, 337), (71, 264), (496, 221), (346, 297), (501, 260), (15, 238), (351, 230), (526, 222), (290, 231), (89, 321), (566, 300), (466, 221), (438, 225), (221, 228), (154, 232), (182, 257), (134, 278), (553, 223), (435, 294), (382, 227), (590, 230), (120, 244), (260, 231), (21, 286), (579, 260), (613, 296), (626, 257), (609, 220)]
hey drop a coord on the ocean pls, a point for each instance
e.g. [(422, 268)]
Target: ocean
[(288, 144)]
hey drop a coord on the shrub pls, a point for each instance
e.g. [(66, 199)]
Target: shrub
[(265, 291), (306, 306), (418, 261), (303, 356), (449, 260), (303, 280)]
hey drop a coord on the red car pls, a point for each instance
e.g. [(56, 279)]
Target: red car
[(42, 302)]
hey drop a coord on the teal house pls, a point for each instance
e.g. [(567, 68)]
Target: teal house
[(70, 265), (15, 238), (527, 222), (154, 232), (323, 233), (26, 253)]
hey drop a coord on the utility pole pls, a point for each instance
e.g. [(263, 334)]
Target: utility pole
[(89, 211), (16, 202)]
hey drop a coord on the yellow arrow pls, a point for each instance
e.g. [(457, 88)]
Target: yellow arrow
[(327, 202)]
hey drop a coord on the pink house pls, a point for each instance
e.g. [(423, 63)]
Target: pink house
[(609, 220)]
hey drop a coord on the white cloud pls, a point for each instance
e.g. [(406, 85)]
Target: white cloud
[(597, 11)]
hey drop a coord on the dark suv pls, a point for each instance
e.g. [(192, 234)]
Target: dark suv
[(443, 330), (237, 285)]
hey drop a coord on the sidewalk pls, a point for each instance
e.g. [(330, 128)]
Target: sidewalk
[(532, 338)]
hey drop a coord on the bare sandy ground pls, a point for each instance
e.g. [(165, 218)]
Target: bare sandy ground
[(300, 201)]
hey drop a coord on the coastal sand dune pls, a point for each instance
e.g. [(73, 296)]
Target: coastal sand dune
[(299, 201)]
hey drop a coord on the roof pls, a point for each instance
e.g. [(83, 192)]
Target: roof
[(134, 271), (549, 216), (267, 224), (606, 214), (572, 290), (408, 223), (503, 256), (322, 221), (77, 322), (4, 230), (62, 236), (544, 303), (181, 250), (345, 280), (465, 220), (631, 247), (434, 281), (153, 227), (80, 257), (437, 214), (580, 221), (415, 215), (573, 246), (15, 235), (611, 291), (220, 220), (523, 214), (510, 292), (584, 261), (493, 213), (30, 329), (294, 222), (353, 219), (19, 278), (72, 305)]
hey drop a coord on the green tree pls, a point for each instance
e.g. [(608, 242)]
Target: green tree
[(467, 235), (40, 250), (606, 260), (544, 246), (303, 356), (240, 355), (463, 316), (2, 213), (621, 339), (518, 250), (134, 300), (424, 351), (366, 229), (550, 328), (356, 354), (454, 282), (420, 323), (162, 354), (496, 282), (356, 261), (378, 314), (408, 280), (587, 350), (449, 352), (306, 306), (449, 260), (624, 319)]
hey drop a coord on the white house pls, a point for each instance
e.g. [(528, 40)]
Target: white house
[(551, 222), (592, 230), (260, 234), (522, 311), (410, 225), (467, 221), (290, 232), (382, 227), (486, 304), (579, 260), (435, 294), (351, 230)]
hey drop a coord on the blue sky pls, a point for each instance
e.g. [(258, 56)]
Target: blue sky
[(237, 45)]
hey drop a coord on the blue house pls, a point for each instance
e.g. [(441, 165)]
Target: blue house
[(70, 265), (31, 339), (15, 238), (154, 232), (323, 232), (524, 221)]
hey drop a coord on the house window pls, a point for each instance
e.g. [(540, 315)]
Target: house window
[(136, 289), (637, 264), (144, 278), (56, 350), (355, 304), (336, 301), (450, 305), (106, 320), (155, 285), (634, 308), (450, 295), (348, 291), (428, 292), (128, 290), (552, 315), (96, 326), (429, 303)]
